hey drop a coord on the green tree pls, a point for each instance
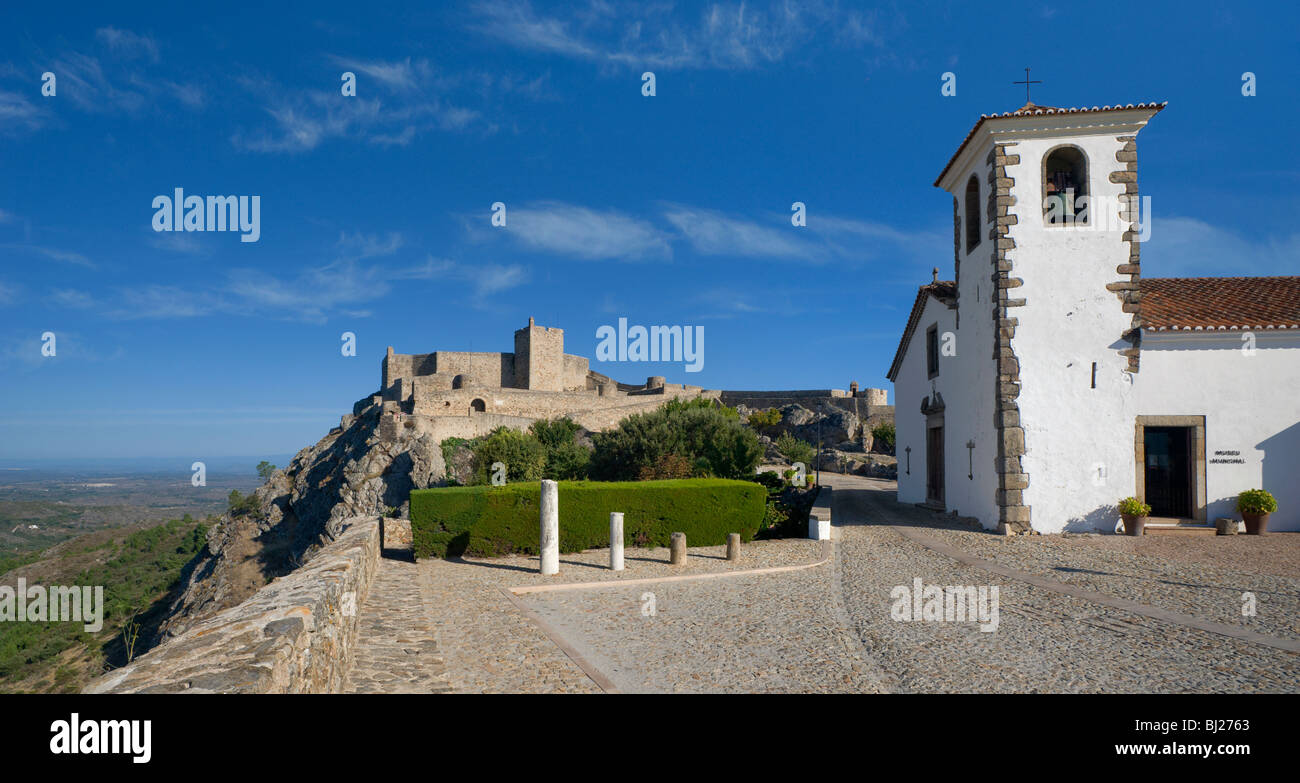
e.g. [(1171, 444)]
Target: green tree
[(884, 433), (566, 459), (264, 470), (796, 450)]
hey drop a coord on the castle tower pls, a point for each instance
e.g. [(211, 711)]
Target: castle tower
[(539, 358), (1046, 267)]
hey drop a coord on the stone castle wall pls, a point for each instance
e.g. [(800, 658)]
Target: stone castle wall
[(295, 635), (576, 369), (540, 381), (485, 369)]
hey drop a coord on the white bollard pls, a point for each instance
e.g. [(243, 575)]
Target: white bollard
[(818, 529), (616, 540), (550, 536)]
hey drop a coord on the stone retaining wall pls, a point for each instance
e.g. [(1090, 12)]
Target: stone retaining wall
[(295, 635)]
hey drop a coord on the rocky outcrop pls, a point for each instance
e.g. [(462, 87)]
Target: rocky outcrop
[(294, 635), (833, 425), (351, 472)]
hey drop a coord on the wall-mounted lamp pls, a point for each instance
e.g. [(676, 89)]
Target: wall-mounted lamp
[(909, 460), (970, 460)]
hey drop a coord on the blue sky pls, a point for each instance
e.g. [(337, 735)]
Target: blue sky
[(672, 209)]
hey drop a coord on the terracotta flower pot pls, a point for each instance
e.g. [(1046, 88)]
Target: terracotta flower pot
[(1256, 524), (1134, 525)]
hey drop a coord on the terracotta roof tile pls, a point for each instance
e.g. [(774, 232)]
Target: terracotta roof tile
[(1220, 303)]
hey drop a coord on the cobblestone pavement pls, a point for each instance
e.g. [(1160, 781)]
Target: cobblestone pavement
[(1047, 641), (827, 626), (396, 649)]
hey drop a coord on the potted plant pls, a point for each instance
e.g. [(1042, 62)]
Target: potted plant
[(1255, 505), (1135, 514)]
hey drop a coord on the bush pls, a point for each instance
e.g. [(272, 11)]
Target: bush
[(239, 505), (490, 521), (523, 455), (1256, 501), (884, 434), (796, 450), (710, 438), (761, 420), (771, 480), (1133, 507), (669, 466)]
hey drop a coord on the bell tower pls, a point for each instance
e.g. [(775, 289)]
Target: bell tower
[(1046, 261)]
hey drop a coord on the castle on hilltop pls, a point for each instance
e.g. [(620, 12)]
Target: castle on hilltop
[(467, 394)]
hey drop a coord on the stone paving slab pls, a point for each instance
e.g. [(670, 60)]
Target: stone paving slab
[(396, 650), (490, 646), (776, 632)]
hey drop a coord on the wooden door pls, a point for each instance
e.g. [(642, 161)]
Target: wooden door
[(934, 465)]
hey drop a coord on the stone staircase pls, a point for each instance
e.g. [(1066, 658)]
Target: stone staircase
[(1169, 526)]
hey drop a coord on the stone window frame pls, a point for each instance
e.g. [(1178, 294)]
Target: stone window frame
[(932, 351), (972, 214), (1087, 184), (1197, 425)]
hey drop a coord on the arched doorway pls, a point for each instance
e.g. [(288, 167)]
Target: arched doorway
[(477, 406)]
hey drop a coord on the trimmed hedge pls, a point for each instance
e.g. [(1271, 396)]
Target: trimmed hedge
[(490, 521)]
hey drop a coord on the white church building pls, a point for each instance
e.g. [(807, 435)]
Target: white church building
[(1048, 379)]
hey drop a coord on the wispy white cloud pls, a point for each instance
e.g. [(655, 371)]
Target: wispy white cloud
[(82, 80), (578, 232), (713, 233), (584, 233), (398, 75), (1189, 247), (127, 44), (395, 102), (823, 238), (736, 35), (55, 254), (19, 114), (161, 301), (23, 349), (342, 287), (361, 245), (126, 80), (494, 278), (173, 242), (71, 298)]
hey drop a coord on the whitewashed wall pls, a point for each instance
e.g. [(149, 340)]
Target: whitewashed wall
[(913, 385), (1251, 404), (970, 377)]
